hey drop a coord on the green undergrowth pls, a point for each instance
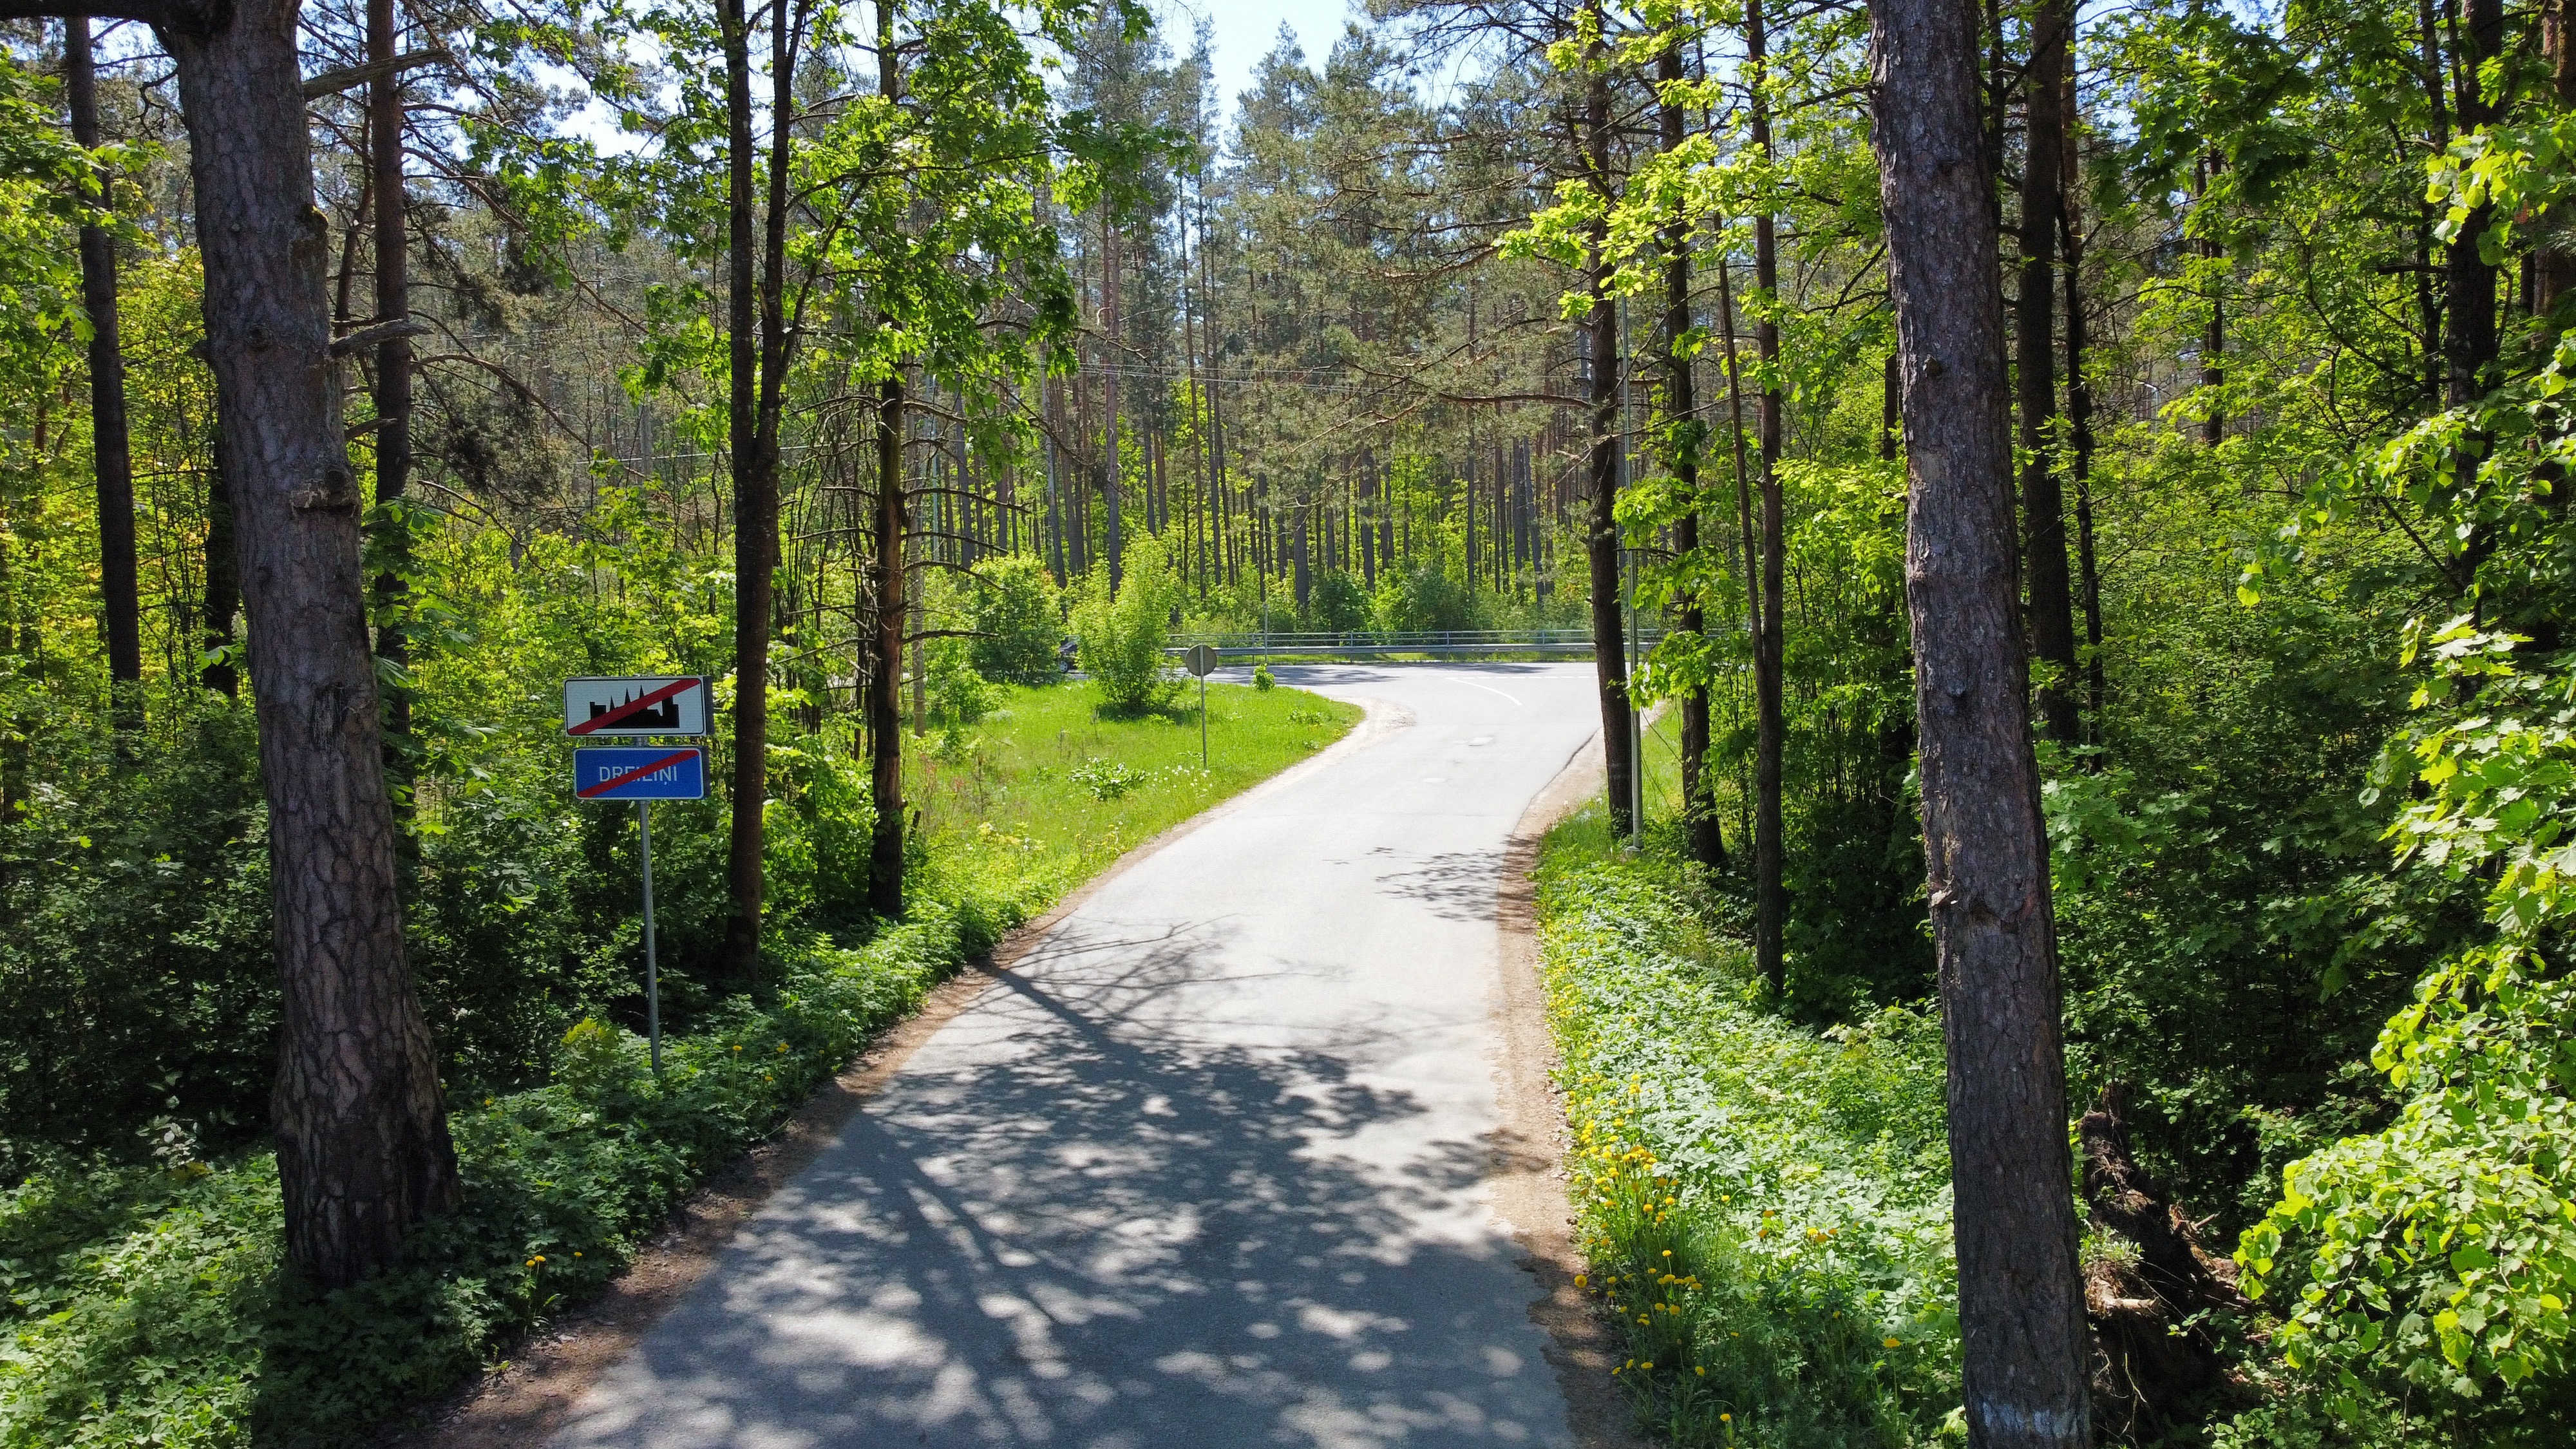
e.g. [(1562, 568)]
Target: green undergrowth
[(1765, 1208), (145, 1302)]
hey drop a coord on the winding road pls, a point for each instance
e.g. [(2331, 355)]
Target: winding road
[(1211, 1165)]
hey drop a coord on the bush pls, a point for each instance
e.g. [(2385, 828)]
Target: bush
[(1427, 598), (1262, 678), (1338, 604), (959, 693), (1015, 612), (1123, 638)]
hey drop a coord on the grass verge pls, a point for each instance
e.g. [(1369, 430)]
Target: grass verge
[(1764, 1208), (145, 1303)]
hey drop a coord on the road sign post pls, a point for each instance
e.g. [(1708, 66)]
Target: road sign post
[(1201, 660), (625, 709), (652, 966)]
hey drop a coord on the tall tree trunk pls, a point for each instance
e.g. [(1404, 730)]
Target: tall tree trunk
[(2471, 281), (2213, 336), (1113, 464), (120, 595), (393, 386), (2553, 265), (2079, 426), (363, 1149), (1700, 826), (885, 668), (2052, 608), (2021, 1298), (1770, 848), (1601, 528), (755, 518), (893, 525)]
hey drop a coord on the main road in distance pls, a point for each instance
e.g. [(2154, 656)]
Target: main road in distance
[(1210, 1166)]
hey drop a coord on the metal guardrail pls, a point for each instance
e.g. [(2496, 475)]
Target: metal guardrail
[(1363, 644)]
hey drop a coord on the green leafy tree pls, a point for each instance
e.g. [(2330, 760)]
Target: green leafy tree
[(1123, 632)]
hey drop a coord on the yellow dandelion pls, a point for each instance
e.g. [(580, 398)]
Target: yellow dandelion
[(737, 1046), (1895, 1343), (1726, 1418)]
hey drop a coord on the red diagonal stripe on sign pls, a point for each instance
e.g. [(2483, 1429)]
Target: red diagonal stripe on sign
[(632, 707), (593, 792)]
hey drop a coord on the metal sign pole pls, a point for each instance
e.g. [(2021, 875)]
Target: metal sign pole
[(1202, 721), (652, 967)]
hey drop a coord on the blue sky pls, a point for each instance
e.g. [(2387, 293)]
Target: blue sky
[(1242, 31)]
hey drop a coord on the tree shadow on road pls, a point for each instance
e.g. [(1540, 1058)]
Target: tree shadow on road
[(1074, 1221)]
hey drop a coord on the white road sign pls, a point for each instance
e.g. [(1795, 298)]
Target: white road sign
[(651, 704)]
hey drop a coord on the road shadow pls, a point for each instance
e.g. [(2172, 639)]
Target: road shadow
[(1075, 1222), (1456, 885)]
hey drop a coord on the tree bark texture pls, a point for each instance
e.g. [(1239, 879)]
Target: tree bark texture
[(111, 447), (2021, 1300), (1770, 727), (1601, 530), (2052, 606), (363, 1150), (1700, 827), (393, 377), (755, 521)]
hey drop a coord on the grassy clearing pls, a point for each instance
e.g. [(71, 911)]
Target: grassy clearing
[(1052, 787), (1765, 1208), (144, 1302)]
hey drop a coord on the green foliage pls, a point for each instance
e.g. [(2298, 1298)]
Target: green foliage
[(1123, 636), (1338, 604), (1014, 612), (1765, 1208), (959, 693), (1262, 678), (1105, 779), (1426, 597), (2437, 1258)]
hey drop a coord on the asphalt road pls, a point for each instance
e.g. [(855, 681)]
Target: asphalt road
[(1208, 1168)]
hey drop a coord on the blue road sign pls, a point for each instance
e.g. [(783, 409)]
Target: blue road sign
[(639, 773)]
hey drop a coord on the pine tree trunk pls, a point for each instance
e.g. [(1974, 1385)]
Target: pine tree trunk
[(2021, 1299), (2052, 610), (885, 665), (1113, 465), (755, 521), (1770, 848), (2079, 433), (1700, 825), (1601, 527), (111, 448), (363, 1150), (393, 383)]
